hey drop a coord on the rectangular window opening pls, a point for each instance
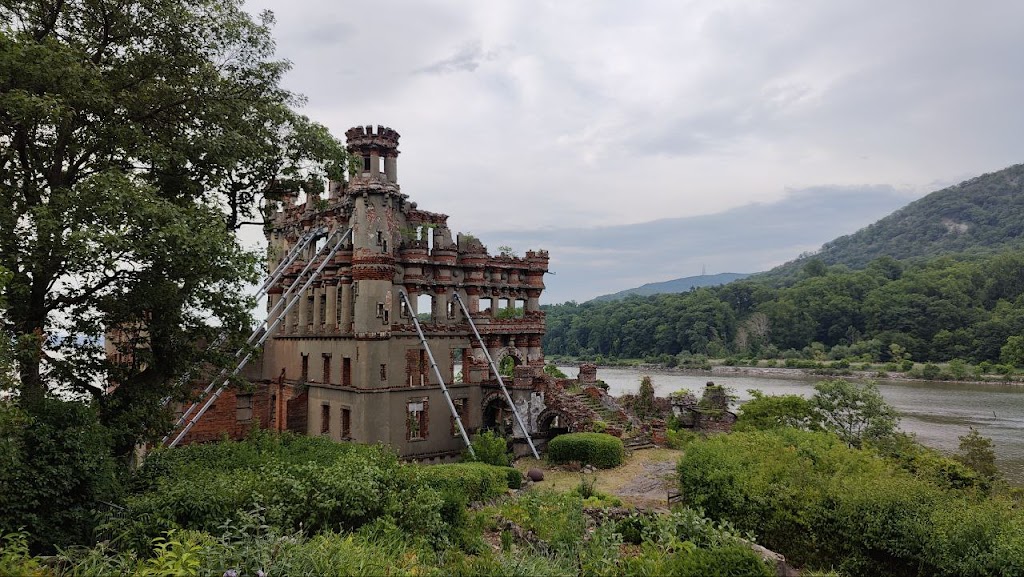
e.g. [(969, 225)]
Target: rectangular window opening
[(416, 419), (460, 410), (325, 419), (346, 371), (346, 423), (305, 367), (327, 368)]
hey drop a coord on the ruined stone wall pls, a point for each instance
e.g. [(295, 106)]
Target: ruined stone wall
[(266, 407)]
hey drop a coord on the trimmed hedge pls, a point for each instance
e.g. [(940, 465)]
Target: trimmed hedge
[(598, 449)]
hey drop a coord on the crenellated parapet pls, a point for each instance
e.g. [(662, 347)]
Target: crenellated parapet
[(366, 138)]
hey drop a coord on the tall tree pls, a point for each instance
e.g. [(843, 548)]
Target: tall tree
[(135, 136)]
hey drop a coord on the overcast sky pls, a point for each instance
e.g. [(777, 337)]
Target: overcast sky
[(541, 122)]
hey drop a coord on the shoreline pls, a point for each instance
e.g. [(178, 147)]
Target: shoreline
[(795, 373)]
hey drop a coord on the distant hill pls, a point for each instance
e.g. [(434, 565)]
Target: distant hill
[(679, 285), (981, 215)]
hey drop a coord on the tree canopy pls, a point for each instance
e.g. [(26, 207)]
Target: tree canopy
[(934, 310), (135, 137)]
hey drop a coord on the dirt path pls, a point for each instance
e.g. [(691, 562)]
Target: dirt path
[(643, 480), (650, 487)]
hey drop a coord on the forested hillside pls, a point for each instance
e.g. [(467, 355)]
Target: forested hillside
[(981, 215), (934, 310)]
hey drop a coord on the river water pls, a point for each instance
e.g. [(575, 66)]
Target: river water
[(937, 413)]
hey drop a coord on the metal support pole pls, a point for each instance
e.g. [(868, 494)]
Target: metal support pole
[(255, 334), (437, 373), (293, 254), (494, 369), (261, 340), (289, 259)]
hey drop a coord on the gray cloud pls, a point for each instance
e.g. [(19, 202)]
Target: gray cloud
[(588, 262), (603, 117), (466, 59)]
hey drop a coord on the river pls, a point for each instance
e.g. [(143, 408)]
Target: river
[(938, 413)]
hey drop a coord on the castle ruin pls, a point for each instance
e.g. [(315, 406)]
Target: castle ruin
[(347, 362)]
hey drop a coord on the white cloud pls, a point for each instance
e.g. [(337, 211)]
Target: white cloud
[(536, 114)]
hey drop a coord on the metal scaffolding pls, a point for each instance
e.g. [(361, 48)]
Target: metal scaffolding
[(494, 369), (437, 372), (266, 332)]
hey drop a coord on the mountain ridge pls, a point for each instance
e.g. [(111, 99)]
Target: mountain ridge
[(677, 285), (980, 215)]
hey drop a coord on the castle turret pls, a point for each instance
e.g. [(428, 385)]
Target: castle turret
[(376, 151), (373, 238)]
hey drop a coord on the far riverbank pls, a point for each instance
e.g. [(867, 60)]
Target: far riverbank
[(799, 374)]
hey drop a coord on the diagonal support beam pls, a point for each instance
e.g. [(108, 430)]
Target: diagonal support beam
[(437, 373), (494, 369), (270, 330)]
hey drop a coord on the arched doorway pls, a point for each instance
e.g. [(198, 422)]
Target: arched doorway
[(497, 416), (551, 423)]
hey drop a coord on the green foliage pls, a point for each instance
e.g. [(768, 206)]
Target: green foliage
[(977, 452), (773, 411), (295, 481), (514, 478), (822, 504), (150, 132), (680, 438), (506, 367), (1012, 353), (929, 310), (491, 448), (56, 469), (856, 412), (643, 404), (511, 312), (15, 559), (553, 371), (474, 481), (174, 556), (598, 449)]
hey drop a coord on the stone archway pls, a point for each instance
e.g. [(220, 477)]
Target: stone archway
[(497, 416), (551, 423), (506, 359), (505, 352)]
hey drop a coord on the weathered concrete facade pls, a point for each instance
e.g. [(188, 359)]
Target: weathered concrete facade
[(349, 347)]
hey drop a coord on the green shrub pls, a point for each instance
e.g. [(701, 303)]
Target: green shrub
[(312, 483), (680, 438), (515, 478), (725, 561), (823, 504), (476, 481), (490, 448), (56, 469), (598, 449)]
